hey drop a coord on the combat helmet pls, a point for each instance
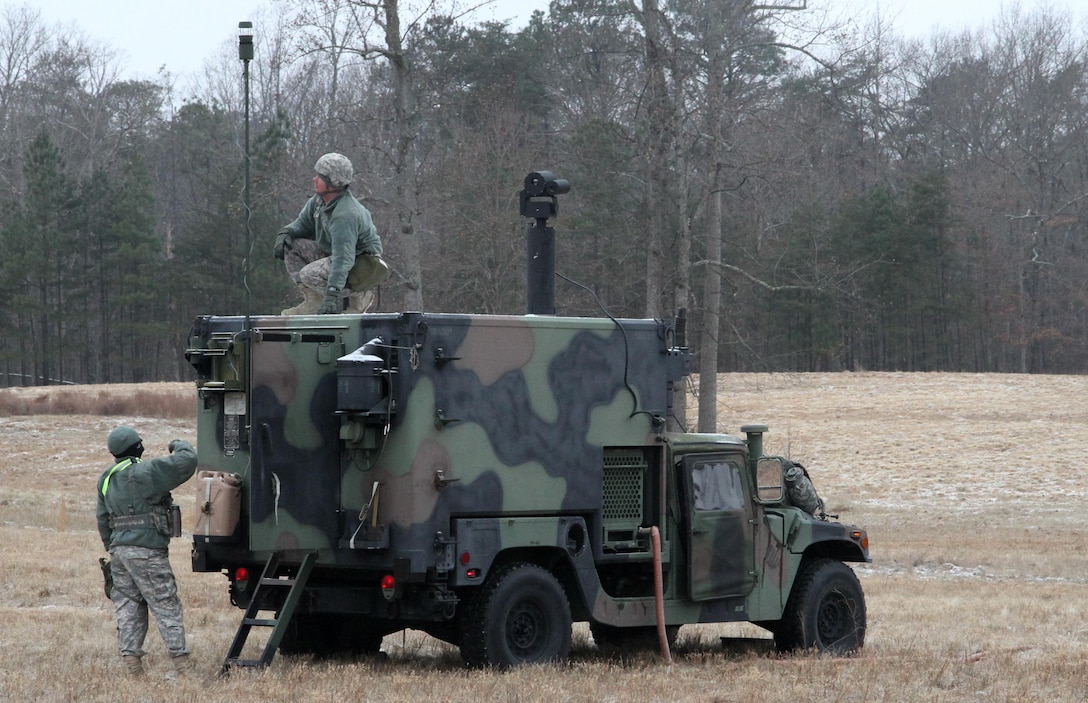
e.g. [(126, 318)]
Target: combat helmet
[(122, 438), (336, 169)]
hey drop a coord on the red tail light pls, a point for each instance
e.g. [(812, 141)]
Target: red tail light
[(389, 586)]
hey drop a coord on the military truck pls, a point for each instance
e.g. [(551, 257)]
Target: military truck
[(490, 480)]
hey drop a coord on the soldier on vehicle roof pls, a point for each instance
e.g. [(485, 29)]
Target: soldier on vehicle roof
[(332, 250)]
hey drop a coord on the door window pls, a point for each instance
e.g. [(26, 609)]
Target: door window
[(717, 485)]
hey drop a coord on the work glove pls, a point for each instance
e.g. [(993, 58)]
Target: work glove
[(331, 304), (283, 240)]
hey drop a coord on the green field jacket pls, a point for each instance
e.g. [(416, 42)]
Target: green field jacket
[(132, 488), (343, 229)]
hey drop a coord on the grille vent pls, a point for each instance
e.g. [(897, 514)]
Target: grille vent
[(624, 476)]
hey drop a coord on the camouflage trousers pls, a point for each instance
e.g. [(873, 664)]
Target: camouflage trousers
[(143, 581), (307, 265)]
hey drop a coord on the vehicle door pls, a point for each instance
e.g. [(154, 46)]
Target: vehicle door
[(719, 525)]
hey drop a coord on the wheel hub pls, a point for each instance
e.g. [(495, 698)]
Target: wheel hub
[(524, 629)]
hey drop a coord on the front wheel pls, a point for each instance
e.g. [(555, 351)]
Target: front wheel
[(520, 616), (825, 611)]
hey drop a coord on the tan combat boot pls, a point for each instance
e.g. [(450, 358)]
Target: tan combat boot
[(311, 301), (134, 666), (183, 664), (360, 302)]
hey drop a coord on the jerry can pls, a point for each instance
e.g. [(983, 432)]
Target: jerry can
[(219, 502)]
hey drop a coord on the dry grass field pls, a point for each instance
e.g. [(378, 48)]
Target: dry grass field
[(972, 488)]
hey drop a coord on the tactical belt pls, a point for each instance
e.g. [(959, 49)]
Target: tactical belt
[(132, 522)]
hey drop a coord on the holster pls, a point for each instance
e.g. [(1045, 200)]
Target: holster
[(107, 576)]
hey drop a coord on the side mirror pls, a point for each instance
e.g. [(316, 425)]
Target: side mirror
[(770, 486)]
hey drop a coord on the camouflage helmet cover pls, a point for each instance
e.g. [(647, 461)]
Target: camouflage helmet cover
[(121, 438), (336, 168)]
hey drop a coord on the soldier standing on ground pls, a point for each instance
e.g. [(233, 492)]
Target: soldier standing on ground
[(135, 523), (332, 250)]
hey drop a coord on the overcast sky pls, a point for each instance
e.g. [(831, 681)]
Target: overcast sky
[(182, 34)]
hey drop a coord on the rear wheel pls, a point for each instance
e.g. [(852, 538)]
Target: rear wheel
[(520, 616), (825, 611)]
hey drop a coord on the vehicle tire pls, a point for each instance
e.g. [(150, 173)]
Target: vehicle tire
[(520, 616), (610, 638), (825, 611)]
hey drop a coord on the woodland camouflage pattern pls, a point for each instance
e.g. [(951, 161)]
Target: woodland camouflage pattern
[(436, 446)]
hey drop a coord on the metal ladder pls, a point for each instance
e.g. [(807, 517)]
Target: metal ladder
[(271, 579)]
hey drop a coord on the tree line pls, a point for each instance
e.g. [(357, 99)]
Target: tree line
[(815, 196)]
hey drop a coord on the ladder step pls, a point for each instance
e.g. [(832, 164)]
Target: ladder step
[(247, 663), (296, 585), (260, 622)]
